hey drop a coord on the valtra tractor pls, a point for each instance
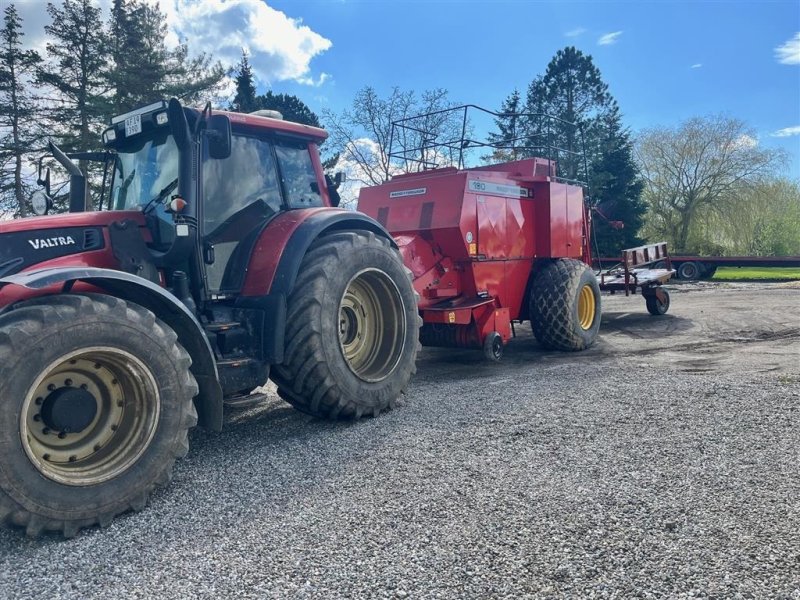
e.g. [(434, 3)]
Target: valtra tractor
[(492, 245), (217, 261)]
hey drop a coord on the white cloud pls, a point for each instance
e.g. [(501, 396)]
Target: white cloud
[(696, 66), (788, 53), (323, 77), (575, 32), (787, 132), (281, 48), (609, 38), (745, 141)]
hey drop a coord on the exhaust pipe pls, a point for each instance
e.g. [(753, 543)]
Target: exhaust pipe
[(77, 180)]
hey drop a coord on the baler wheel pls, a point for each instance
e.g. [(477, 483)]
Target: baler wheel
[(493, 347), (97, 402), (352, 329), (565, 305)]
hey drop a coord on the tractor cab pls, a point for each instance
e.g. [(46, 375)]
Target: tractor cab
[(204, 184)]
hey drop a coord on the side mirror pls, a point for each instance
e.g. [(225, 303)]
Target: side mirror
[(339, 178), (219, 136), (43, 181), (41, 201)]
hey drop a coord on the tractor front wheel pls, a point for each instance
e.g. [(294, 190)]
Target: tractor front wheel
[(352, 329), (96, 404), (565, 305)]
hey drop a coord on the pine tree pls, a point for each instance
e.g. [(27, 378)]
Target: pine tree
[(17, 109), (510, 128), (615, 186), (245, 99), (572, 90), (73, 75), (135, 69), (291, 107), (143, 69)]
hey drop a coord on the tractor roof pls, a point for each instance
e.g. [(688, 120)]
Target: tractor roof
[(259, 122)]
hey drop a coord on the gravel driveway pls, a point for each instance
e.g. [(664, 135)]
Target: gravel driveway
[(661, 462)]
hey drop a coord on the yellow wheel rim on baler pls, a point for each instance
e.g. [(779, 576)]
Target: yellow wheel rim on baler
[(586, 307)]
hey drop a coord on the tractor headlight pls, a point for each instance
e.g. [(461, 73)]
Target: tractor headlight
[(109, 135), (161, 118)]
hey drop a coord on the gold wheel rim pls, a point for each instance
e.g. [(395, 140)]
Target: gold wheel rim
[(119, 410), (586, 307), (372, 327)]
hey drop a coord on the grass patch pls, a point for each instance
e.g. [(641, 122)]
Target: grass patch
[(756, 273)]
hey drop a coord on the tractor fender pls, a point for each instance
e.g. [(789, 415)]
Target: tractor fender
[(156, 299), (266, 275)]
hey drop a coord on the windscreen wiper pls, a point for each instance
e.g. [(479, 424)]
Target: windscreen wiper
[(161, 195)]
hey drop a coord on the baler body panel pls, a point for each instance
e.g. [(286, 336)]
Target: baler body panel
[(470, 238)]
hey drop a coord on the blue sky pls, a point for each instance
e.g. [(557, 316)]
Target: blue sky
[(480, 51), (668, 60)]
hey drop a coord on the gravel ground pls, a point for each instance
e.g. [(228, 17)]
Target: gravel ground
[(661, 463)]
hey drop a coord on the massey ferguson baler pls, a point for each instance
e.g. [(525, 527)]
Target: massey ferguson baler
[(491, 245)]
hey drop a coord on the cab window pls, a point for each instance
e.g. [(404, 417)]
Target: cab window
[(240, 193), (298, 176)]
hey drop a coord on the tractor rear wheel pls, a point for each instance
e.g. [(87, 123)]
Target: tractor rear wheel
[(565, 305), (96, 404), (352, 329)]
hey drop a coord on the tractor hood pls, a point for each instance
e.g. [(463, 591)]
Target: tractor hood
[(25, 243)]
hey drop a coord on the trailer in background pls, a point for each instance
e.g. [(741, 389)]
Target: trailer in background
[(692, 268)]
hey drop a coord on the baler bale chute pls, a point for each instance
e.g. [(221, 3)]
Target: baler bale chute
[(493, 245)]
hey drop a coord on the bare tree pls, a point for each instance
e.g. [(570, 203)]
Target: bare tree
[(362, 134), (696, 167)]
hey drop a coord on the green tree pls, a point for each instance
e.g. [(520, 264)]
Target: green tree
[(143, 69), (615, 185), (291, 107), (698, 168), (510, 129), (17, 109), (74, 74), (574, 119), (571, 89), (245, 99)]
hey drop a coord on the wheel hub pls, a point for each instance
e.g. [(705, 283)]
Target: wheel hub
[(372, 325), (69, 409), (348, 325), (89, 416)]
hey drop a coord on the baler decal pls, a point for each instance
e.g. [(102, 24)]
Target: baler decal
[(497, 189), (404, 193)]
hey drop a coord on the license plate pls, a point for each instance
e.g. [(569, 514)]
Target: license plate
[(133, 125)]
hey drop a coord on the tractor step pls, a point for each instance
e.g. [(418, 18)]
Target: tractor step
[(235, 363), (218, 327), (246, 401), (240, 375)]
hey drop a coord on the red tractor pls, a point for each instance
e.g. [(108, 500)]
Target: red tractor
[(493, 245), (218, 261)]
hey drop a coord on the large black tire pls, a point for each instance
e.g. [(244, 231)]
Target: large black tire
[(114, 380), (352, 331), (561, 318), (689, 271)]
